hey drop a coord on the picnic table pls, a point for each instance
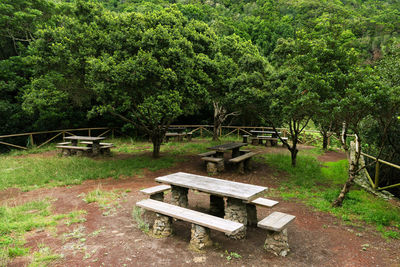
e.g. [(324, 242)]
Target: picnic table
[(239, 195), (221, 149), (95, 142), (272, 136)]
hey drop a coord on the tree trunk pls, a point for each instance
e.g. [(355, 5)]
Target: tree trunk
[(157, 139), (217, 126), (324, 140), (353, 171), (293, 153)]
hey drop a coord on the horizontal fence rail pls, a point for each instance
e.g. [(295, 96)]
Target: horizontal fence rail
[(375, 183), (56, 133), (201, 129)]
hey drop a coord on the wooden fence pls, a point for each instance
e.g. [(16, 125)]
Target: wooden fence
[(56, 133), (375, 183), (202, 129)]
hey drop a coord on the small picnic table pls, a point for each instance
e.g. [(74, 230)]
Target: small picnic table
[(239, 195), (221, 149), (95, 142)]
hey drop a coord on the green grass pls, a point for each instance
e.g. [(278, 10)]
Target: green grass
[(318, 184), (43, 257), (18, 220), (32, 172)]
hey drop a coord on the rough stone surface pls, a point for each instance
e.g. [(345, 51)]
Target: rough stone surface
[(217, 206), (158, 196), (162, 226), (236, 211), (179, 196), (277, 243), (212, 168), (200, 238), (251, 214), (241, 167)]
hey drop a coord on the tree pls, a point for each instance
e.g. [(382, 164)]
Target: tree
[(236, 71), (152, 75)]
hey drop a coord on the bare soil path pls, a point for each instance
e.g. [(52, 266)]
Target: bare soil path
[(316, 238)]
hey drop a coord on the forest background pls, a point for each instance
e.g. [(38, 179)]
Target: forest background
[(142, 65)]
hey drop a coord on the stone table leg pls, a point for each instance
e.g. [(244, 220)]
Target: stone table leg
[(251, 215), (96, 148), (179, 196), (217, 205), (235, 152), (277, 243), (219, 154), (200, 238), (236, 211), (158, 196), (162, 226)]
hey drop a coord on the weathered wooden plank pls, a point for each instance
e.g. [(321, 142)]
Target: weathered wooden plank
[(155, 189), (84, 138), (206, 154), (219, 187), (264, 202), (243, 157), (63, 143), (276, 221), (75, 147), (227, 146), (216, 160), (191, 216), (91, 143)]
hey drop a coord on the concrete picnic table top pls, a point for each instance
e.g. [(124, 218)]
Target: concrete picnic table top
[(84, 138), (214, 186), (228, 146)]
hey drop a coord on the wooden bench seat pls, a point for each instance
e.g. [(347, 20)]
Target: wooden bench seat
[(264, 202), (277, 240), (201, 222), (63, 143), (156, 192), (243, 161), (208, 153), (75, 147), (102, 144), (214, 165)]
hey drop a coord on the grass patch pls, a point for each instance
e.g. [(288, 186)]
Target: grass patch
[(108, 200), (18, 220), (137, 214), (44, 257), (30, 173), (318, 184)]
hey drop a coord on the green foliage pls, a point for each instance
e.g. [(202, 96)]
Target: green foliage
[(137, 214), (318, 185)]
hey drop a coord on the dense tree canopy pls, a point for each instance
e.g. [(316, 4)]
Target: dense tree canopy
[(152, 63)]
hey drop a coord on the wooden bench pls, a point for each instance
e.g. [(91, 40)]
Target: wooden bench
[(264, 202), (214, 165), (206, 154), (252, 210), (178, 135), (243, 161), (105, 148), (91, 143), (245, 136), (156, 192), (72, 150), (277, 239), (201, 222), (63, 143)]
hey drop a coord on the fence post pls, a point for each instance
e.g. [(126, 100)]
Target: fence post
[(31, 136), (89, 132), (63, 133), (238, 130), (201, 132), (376, 174)]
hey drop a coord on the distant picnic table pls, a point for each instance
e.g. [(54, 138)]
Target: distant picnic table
[(94, 147), (221, 149)]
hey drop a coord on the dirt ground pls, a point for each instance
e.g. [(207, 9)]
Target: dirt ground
[(315, 238)]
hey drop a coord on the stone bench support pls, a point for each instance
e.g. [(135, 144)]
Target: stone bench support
[(179, 196), (236, 211), (277, 243), (200, 237), (162, 226)]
